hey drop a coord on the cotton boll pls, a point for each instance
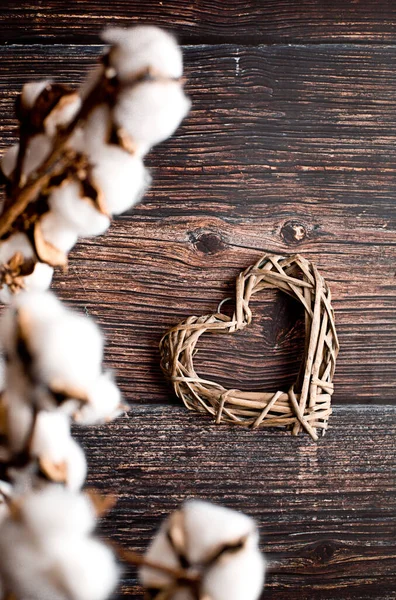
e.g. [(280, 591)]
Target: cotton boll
[(55, 513), (86, 569), (31, 91), (239, 576), (52, 441), (138, 48), (121, 177), (68, 351), (104, 402), (209, 526), (57, 232), (95, 130), (151, 111), (66, 202), (42, 309)]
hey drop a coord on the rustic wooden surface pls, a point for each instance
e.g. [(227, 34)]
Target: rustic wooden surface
[(289, 147)]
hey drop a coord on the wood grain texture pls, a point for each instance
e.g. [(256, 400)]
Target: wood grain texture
[(326, 511), (286, 149), (201, 21)]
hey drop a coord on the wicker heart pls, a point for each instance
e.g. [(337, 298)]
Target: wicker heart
[(307, 404)]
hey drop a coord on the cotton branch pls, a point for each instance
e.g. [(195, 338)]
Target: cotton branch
[(80, 156)]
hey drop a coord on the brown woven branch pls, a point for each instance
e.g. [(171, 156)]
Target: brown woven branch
[(307, 404)]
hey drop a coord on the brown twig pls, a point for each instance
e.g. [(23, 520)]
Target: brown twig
[(138, 560)]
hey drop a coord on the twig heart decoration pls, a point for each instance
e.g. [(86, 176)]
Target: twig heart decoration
[(307, 404)]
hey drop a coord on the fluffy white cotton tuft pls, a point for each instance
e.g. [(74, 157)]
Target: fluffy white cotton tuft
[(68, 351), (55, 512), (138, 48), (31, 91), (121, 177), (80, 214), (52, 441), (86, 569), (47, 552), (95, 132), (151, 111), (238, 576), (37, 151), (67, 348), (209, 525), (57, 231), (104, 402)]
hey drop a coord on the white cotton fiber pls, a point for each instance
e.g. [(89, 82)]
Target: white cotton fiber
[(138, 48), (57, 232), (52, 441), (208, 526), (86, 569), (104, 402), (80, 214), (121, 177), (68, 351), (151, 111), (55, 512), (238, 576)]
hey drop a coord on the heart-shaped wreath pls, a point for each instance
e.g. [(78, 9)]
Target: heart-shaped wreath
[(307, 404)]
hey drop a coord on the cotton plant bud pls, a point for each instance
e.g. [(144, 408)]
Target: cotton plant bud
[(138, 48), (60, 458), (217, 544), (104, 403), (78, 212), (16, 252), (151, 111), (38, 148), (48, 552)]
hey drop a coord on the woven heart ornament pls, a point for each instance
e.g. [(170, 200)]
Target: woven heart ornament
[(307, 404)]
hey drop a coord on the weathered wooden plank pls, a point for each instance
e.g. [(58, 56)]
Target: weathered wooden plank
[(327, 511), (242, 21), (278, 139)]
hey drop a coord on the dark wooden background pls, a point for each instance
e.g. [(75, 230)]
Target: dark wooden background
[(293, 128)]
